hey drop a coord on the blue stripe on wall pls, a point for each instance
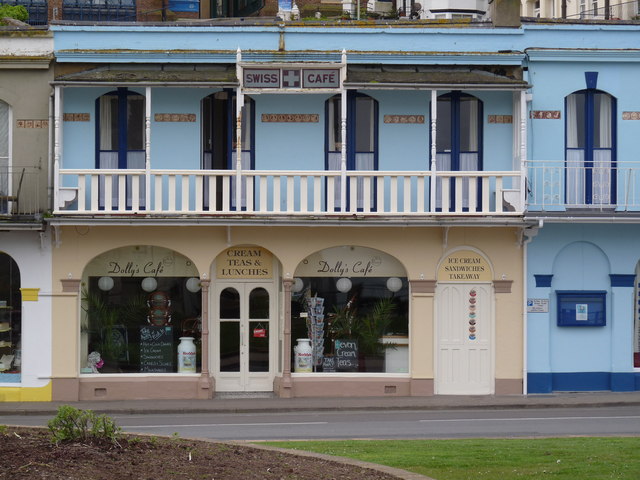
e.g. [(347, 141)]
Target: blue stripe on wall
[(582, 382), (620, 280), (543, 280)]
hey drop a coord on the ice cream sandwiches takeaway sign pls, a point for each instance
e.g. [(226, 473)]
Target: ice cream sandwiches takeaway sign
[(464, 266)]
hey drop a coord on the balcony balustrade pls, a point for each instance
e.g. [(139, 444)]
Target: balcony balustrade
[(598, 185), (287, 193), (20, 189)]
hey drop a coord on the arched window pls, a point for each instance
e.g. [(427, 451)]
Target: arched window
[(362, 136), (10, 320), (352, 322), (590, 148), (137, 303), (120, 134)]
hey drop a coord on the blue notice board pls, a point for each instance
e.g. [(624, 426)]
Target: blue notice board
[(582, 308)]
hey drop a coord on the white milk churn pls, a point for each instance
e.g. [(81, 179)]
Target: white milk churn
[(186, 355), (304, 355)]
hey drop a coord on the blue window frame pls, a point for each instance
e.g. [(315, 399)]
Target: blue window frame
[(590, 154), (219, 140), (582, 308), (120, 130), (459, 141), (362, 137), (120, 139)]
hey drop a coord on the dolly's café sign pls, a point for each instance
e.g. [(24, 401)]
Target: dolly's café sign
[(350, 261), (291, 78), (245, 262), (464, 266)]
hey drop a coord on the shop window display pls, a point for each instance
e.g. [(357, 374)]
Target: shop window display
[(141, 324), (356, 324), (10, 321)]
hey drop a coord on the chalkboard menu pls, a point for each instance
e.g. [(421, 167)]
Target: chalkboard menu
[(156, 349), (346, 355), (329, 363)]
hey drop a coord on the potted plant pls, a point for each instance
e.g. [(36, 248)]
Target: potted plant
[(105, 327), (369, 330)]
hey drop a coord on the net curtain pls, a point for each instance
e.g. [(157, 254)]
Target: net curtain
[(577, 148)]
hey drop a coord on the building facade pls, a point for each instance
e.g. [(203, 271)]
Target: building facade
[(25, 247), (248, 199), (582, 264), (345, 210)]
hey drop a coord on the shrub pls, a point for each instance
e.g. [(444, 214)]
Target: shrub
[(309, 10), (18, 12), (73, 425)]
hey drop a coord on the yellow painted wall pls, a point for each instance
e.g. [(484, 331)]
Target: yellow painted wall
[(19, 394)]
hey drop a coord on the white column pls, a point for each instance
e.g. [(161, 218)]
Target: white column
[(343, 135), (343, 153), (432, 181), (239, 107), (147, 149), (57, 145)]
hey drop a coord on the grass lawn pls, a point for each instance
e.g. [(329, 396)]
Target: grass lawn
[(573, 458)]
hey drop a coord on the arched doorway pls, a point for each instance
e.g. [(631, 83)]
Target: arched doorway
[(10, 321), (464, 327), (244, 314)]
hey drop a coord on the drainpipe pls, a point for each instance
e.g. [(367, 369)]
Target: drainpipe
[(527, 236), (525, 318)]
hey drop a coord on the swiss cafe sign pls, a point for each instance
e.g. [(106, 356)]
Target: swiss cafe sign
[(291, 78)]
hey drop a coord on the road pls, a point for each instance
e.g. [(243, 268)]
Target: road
[(385, 424)]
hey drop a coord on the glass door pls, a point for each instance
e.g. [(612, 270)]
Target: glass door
[(245, 338)]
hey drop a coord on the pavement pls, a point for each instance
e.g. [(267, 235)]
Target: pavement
[(251, 403)]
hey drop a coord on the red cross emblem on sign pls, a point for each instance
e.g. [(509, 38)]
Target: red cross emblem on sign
[(291, 78)]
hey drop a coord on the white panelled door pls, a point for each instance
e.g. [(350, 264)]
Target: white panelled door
[(464, 339)]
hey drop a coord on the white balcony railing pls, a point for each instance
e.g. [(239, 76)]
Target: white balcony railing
[(558, 185), (287, 193)]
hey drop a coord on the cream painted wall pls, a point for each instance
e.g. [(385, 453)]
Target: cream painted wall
[(419, 249), (421, 336)]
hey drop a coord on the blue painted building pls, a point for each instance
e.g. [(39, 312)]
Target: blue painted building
[(582, 282), (333, 209)]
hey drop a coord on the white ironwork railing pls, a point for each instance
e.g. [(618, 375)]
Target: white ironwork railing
[(601, 184), (20, 189), (269, 192)]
